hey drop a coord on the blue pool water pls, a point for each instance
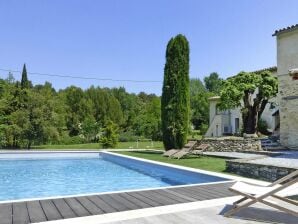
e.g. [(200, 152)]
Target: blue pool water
[(47, 176)]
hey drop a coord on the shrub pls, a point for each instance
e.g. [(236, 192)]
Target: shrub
[(109, 136), (72, 140), (128, 137), (263, 127)]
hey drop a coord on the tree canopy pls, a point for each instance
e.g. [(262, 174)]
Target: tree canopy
[(251, 92), (32, 115), (213, 83)]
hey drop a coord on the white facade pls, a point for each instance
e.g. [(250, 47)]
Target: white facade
[(229, 122), (285, 105), (223, 122)]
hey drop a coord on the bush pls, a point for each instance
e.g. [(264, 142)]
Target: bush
[(109, 136), (128, 137), (71, 140), (263, 127), (204, 128)]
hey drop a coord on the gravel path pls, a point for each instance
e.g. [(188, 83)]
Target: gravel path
[(287, 159), (232, 155)]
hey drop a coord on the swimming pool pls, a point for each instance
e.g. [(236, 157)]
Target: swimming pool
[(37, 175)]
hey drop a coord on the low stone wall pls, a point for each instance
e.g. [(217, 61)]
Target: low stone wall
[(232, 144), (243, 167)]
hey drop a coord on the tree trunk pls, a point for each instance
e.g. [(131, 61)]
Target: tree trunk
[(250, 114), (250, 119), (262, 108)]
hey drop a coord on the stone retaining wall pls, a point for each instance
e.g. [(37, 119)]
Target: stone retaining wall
[(243, 167), (232, 144)]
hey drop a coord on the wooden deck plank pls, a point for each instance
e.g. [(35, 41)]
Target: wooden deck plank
[(50, 210), (198, 197), (76, 206), (38, 211), (124, 201), (202, 191), (102, 204), (173, 196), (20, 213), (220, 189), (6, 213), (143, 198), (136, 201), (36, 214), (64, 208), (90, 206), (215, 191), (180, 195), (113, 203), (160, 198)]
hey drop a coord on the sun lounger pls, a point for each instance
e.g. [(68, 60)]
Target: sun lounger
[(170, 152), (200, 149), (180, 153), (185, 151), (264, 194), (190, 144)]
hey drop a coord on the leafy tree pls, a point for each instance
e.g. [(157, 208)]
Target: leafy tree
[(148, 123), (89, 128), (32, 115), (109, 136), (78, 107), (195, 87), (199, 104), (175, 93), (104, 105), (131, 107), (213, 83), (251, 92)]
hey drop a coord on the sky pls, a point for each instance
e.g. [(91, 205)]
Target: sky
[(126, 39)]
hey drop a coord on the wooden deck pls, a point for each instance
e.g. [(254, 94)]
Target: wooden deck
[(63, 208)]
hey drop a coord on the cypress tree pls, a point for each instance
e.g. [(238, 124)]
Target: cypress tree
[(175, 102), (24, 81)]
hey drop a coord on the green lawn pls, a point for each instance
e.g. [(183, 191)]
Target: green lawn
[(121, 145), (200, 162)]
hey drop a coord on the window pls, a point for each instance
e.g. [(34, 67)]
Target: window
[(237, 125)]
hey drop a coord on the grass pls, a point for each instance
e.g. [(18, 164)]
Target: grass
[(88, 146), (200, 162)]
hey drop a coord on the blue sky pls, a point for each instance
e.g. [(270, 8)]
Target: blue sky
[(126, 39)]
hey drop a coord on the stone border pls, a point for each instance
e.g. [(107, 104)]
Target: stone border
[(245, 167)]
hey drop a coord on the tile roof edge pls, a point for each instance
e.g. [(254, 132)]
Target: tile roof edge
[(286, 29)]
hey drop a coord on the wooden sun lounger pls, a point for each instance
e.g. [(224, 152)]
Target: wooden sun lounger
[(255, 193), (181, 153), (200, 149), (188, 148), (170, 152)]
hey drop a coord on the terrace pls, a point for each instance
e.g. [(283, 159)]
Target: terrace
[(173, 204)]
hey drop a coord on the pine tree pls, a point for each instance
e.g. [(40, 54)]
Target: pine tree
[(175, 102), (24, 82)]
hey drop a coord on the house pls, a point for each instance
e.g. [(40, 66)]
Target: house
[(229, 122), (282, 112), (287, 73)]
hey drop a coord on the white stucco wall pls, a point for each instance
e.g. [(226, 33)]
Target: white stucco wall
[(218, 120), (268, 111), (287, 58)]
